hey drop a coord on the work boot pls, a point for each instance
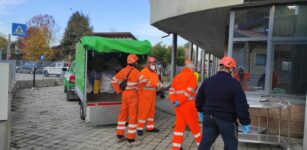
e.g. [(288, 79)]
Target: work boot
[(153, 130), (139, 132), (120, 138), (133, 143)]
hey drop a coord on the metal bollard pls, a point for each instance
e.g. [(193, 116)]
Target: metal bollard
[(34, 70)]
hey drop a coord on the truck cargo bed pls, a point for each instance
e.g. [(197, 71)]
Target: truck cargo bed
[(103, 97)]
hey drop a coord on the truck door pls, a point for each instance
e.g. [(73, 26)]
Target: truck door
[(80, 73)]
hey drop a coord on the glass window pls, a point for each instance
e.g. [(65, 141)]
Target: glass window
[(290, 21), (290, 69), (52, 65), (251, 57), (285, 66), (73, 67), (251, 22), (58, 64), (260, 59)]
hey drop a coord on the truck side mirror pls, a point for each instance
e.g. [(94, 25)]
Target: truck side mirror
[(64, 69)]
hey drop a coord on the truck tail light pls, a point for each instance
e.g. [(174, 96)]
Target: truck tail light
[(72, 79)]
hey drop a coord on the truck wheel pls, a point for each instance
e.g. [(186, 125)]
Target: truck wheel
[(68, 96), (82, 114), (46, 74)]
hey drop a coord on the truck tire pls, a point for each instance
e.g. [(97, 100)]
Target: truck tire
[(68, 96), (82, 113)]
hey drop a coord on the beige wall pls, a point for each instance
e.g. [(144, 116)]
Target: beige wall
[(297, 120)]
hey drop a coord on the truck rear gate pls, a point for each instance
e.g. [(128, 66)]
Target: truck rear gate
[(103, 108)]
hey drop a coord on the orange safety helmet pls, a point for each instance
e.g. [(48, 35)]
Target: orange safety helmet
[(228, 62), (151, 59), (132, 59)]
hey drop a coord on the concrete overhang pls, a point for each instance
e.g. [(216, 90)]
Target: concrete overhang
[(203, 22)]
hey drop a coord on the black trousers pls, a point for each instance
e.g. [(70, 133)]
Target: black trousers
[(212, 127)]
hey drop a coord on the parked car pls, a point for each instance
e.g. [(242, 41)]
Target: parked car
[(28, 67), (55, 69), (69, 82)]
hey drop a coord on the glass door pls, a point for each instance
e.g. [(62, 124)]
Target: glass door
[(290, 69)]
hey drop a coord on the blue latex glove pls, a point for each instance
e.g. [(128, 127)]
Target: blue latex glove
[(176, 103), (245, 129), (200, 116)]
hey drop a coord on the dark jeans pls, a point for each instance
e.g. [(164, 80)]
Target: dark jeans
[(212, 127)]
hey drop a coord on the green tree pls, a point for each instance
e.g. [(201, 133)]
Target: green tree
[(3, 45), (164, 53), (40, 34), (77, 26), (180, 55)]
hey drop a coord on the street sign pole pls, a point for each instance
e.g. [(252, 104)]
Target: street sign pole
[(8, 52)]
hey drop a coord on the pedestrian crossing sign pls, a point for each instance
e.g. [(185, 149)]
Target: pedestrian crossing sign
[(19, 29)]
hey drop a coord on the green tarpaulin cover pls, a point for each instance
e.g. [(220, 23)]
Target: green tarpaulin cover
[(108, 45), (104, 45)]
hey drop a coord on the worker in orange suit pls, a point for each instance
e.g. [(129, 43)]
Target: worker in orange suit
[(129, 99), (243, 77), (182, 94), (147, 98)]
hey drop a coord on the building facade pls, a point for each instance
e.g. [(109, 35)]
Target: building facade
[(268, 38)]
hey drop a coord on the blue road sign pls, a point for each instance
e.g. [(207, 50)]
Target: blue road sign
[(19, 29), (42, 57)]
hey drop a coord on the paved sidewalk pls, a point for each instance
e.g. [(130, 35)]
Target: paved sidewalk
[(43, 119)]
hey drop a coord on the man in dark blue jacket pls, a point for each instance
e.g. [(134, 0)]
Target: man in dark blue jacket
[(222, 100)]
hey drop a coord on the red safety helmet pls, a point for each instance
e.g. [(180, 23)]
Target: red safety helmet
[(151, 59), (132, 59), (228, 62)]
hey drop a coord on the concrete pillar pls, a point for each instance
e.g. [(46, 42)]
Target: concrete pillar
[(270, 55), (209, 66), (196, 57), (5, 102), (191, 51), (231, 33), (202, 67), (174, 54), (215, 66)]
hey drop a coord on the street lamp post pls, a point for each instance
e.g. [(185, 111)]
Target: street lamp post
[(8, 52), (0, 54)]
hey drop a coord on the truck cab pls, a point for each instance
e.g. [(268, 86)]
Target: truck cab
[(69, 82)]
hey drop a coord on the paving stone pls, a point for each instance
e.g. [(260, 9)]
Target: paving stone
[(42, 119)]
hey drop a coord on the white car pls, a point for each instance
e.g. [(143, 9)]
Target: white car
[(54, 69)]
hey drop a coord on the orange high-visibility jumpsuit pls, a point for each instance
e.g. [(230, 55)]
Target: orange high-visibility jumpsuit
[(147, 99), (183, 89), (129, 100)]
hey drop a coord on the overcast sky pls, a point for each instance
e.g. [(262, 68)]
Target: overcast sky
[(105, 16)]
